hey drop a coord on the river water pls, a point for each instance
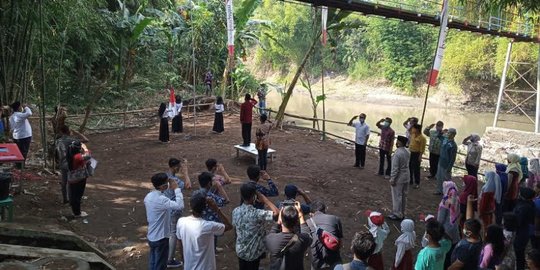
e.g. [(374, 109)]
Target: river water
[(342, 110)]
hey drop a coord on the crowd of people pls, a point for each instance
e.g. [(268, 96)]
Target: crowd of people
[(473, 227)]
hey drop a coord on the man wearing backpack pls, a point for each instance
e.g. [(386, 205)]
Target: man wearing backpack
[(362, 245), (285, 245), (324, 252)]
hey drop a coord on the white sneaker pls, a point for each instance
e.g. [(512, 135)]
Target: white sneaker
[(82, 215), (218, 249)]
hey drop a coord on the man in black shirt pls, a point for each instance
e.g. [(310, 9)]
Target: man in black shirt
[(286, 246), (323, 258), (524, 212)]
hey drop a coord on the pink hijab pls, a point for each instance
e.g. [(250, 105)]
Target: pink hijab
[(449, 201), (471, 188)]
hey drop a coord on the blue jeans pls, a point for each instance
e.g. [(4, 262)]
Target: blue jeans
[(158, 254), (262, 107)]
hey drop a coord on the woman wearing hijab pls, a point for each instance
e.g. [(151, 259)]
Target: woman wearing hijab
[(218, 116), (470, 188), (534, 173), (448, 215), (163, 114), (177, 126), (405, 243), (514, 176), (490, 195), (503, 176), (524, 162), (474, 153)]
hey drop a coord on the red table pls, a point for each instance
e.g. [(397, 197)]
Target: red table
[(9, 152)]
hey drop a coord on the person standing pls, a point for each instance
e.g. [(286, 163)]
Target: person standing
[(322, 257), (254, 173), (525, 213), (249, 223), (163, 114), (385, 146), (408, 124), (380, 230), (20, 127), (417, 146), (432, 256), (261, 94), (435, 141), (158, 209), (208, 78), (474, 153), (61, 151), (467, 251), (177, 125), (263, 140), (246, 118), (175, 167), (362, 247), (446, 159), (514, 172), (405, 243), (399, 179), (76, 159), (361, 139), (218, 116), (197, 235), (490, 196)]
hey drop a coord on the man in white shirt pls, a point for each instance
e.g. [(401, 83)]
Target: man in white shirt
[(361, 139), (158, 211), (197, 234), (20, 127)]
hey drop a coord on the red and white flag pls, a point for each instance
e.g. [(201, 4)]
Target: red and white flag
[(432, 80), (324, 18), (230, 26), (172, 103)]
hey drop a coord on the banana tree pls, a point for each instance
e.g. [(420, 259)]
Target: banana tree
[(336, 22)]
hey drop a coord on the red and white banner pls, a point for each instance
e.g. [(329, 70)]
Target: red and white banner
[(230, 26), (432, 80), (172, 103), (324, 18)]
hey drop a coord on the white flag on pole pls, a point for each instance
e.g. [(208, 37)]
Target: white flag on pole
[(230, 26), (432, 80)]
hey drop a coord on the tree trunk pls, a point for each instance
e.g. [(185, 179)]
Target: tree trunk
[(100, 90), (281, 111)]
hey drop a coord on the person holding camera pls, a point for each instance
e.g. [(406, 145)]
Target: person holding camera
[(250, 230), (254, 173), (158, 209), (286, 245)]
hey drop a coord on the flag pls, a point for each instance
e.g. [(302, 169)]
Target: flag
[(172, 103), (324, 18), (432, 80), (230, 26)]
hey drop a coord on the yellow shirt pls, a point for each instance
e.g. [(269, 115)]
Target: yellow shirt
[(418, 143)]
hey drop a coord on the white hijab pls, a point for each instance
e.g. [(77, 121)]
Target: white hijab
[(408, 235)]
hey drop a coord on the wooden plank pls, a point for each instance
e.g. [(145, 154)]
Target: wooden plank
[(36, 252)]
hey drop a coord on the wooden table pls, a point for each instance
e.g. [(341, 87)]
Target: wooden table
[(252, 150)]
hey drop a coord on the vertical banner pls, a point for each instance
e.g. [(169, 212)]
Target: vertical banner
[(324, 18), (172, 103), (432, 80), (230, 26)]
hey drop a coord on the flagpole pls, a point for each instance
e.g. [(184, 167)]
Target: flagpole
[(442, 22), (194, 72), (323, 18)]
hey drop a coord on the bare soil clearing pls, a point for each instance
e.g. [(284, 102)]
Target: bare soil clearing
[(128, 158)]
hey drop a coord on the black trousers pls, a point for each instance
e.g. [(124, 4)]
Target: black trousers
[(246, 133), (520, 243), (414, 167), (433, 164), (24, 147), (63, 185), (76, 192), (248, 265), (164, 130), (177, 125), (382, 156), (263, 158), (472, 170), (360, 154)]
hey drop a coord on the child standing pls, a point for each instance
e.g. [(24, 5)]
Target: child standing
[(218, 116), (379, 229), (405, 243), (163, 114), (433, 255)]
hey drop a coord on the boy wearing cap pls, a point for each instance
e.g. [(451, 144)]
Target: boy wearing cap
[(399, 179), (361, 139), (385, 146)]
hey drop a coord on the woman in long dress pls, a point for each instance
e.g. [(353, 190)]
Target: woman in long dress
[(218, 117), (163, 115), (177, 125)]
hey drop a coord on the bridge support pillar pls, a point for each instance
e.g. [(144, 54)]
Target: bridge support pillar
[(503, 83)]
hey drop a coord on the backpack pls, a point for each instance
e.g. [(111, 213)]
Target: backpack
[(61, 148), (279, 263), (327, 239)]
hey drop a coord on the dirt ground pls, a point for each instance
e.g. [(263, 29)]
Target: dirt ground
[(128, 158)]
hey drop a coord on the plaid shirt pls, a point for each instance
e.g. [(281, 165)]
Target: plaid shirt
[(387, 139)]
